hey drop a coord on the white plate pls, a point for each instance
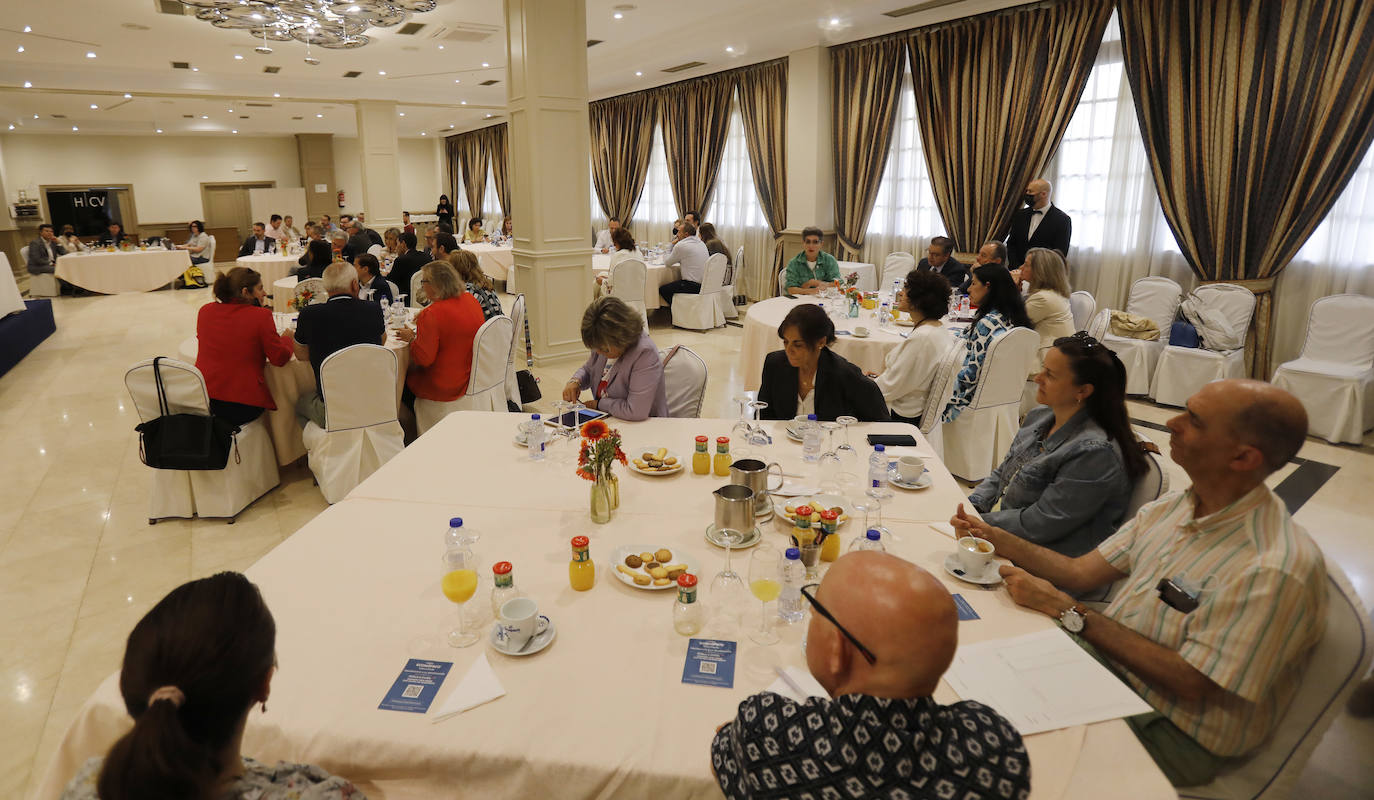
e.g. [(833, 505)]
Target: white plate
[(750, 539), (922, 482), (536, 643), (520, 440), (650, 472), (791, 434), (990, 576), (824, 500), (679, 557)]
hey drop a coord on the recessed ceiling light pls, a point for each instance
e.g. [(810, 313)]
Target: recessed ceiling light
[(276, 94), (128, 96), (488, 116), (422, 133), (159, 130), (233, 131), (28, 85), (381, 72), (257, 15), (834, 21), (485, 64), (94, 107), (441, 47), (11, 126), (231, 111), (729, 49), (90, 55), (403, 113), (75, 128), (27, 29), (618, 15), (35, 116), (21, 48), (238, 57), (203, 116), (319, 116), (195, 69), (462, 102), (456, 80)]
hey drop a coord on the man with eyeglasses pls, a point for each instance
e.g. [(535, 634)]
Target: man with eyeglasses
[(882, 632)]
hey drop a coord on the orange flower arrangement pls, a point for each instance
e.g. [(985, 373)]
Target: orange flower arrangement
[(600, 449)]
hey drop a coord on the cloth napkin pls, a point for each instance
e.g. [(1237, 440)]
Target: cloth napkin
[(801, 678), (479, 686)]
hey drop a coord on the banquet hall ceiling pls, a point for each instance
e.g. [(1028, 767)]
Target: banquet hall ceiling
[(84, 53)]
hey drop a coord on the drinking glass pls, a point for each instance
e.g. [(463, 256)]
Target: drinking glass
[(849, 457), (878, 494), (765, 582), (758, 437), (830, 466), (739, 434), (459, 583), (727, 587)]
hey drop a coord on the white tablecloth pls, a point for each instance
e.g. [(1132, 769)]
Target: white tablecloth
[(603, 711), (116, 273), (655, 275), (272, 267), (10, 299), (283, 290), (497, 261), (868, 275)]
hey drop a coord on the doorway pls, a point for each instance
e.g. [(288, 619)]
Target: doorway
[(228, 215)]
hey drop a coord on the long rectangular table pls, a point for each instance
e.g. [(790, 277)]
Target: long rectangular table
[(602, 712), (124, 271)]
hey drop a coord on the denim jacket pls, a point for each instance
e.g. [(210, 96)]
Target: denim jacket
[(1067, 492)]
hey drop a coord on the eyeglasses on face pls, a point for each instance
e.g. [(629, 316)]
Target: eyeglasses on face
[(808, 591)]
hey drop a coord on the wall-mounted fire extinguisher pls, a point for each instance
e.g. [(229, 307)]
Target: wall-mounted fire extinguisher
[(341, 198)]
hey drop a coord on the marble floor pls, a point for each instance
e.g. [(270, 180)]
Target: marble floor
[(79, 564)]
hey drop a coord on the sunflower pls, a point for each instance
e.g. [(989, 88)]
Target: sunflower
[(595, 429)]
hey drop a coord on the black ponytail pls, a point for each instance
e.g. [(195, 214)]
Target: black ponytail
[(1003, 295), (1096, 365)]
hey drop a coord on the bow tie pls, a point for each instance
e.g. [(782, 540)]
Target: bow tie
[(1035, 211)]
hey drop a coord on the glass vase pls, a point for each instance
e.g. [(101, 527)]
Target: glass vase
[(614, 484), (601, 500)]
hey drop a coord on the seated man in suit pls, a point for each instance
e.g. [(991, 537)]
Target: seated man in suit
[(993, 252), (370, 277), (408, 262), (259, 243), (1222, 596), (358, 241), (324, 328), (113, 236), (1039, 224), (939, 257), (43, 252), (883, 632)]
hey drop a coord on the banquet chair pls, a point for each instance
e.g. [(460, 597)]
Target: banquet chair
[(702, 311), (210, 252), (738, 297), (1336, 666), (1100, 324), (1082, 305), (377, 251), (361, 432), (415, 301), (250, 472), (627, 282), (1158, 299), (316, 288), (940, 393), (684, 375), (41, 285), (1181, 371), (395, 290), (1148, 488), (726, 299), (896, 267), (486, 387), (517, 339), (1333, 376), (782, 282), (977, 440)]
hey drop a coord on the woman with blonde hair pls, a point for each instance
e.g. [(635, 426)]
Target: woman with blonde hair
[(440, 342), (476, 282), (1047, 302)]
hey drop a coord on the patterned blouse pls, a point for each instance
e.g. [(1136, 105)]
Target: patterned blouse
[(488, 300), (980, 336), (285, 781)]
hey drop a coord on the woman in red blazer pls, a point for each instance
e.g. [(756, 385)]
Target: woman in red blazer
[(236, 336), (441, 344)]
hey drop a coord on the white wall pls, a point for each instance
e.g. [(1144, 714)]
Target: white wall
[(165, 171), (422, 173)]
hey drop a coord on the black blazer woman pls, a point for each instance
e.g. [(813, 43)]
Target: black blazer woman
[(806, 371), (444, 211)]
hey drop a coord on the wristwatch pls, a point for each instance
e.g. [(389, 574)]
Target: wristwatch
[(1072, 619)]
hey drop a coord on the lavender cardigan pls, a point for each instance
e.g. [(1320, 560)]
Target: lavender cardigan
[(635, 388)]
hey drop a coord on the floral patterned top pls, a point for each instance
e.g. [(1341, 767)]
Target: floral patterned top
[(980, 336), (259, 781)]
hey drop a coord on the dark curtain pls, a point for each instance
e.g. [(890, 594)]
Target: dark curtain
[(622, 140), (696, 120), (498, 153), (470, 151), (865, 81)]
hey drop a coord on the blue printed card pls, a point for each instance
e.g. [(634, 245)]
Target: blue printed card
[(965, 610), (710, 662), (416, 687)]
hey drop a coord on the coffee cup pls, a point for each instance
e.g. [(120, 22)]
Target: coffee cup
[(909, 468), (519, 621), (974, 554), (860, 330)]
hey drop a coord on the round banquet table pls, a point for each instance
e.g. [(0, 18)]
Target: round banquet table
[(283, 289), (293, 379), (655, 275), (603, 711), (123, 271), (497, 261), (271, 266)]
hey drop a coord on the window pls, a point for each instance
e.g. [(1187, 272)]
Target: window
[(1085, 153), (656, 208), (735, 204), (491, 205), (1346, 237), (905, 207)]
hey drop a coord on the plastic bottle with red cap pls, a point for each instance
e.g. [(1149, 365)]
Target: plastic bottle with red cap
[(581, 570), (503, 590), (688, 615)]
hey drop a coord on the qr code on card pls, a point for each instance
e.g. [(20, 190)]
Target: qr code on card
[(412, 691), (707, 668)]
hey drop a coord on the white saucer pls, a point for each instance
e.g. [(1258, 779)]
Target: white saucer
[(858, 335), (762, 516), (536, 643), (990, 576), (791, 434), (922, 482), (748, 540), (520, 441)]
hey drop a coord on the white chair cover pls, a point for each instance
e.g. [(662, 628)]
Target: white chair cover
[(1156, 298), (1100, 324), (415, 301), (1337, 665), (1334, 374), (782, 282), (209, 251), (487, 385), (361, 431), (896, 267), (395, 290), (204, 493), (703, 311), (41, 285), (627, 282), (726, 299), (1183, 370), (377, 251), (684, 377), (316, 287), (517, 351), (1148, 487), (1082, 305), (982, 434), (940, 393)]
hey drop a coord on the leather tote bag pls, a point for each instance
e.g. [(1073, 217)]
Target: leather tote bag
[(184, 441)]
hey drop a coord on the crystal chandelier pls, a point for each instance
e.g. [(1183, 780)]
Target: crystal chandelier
[(332, 24)]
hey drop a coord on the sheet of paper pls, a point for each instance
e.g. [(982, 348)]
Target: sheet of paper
[(797, 678), (479, 686), (1041, 682), (416, 686), (710, 662)]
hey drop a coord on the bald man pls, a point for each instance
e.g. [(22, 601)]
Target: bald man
[(1039, 224), (1221, 597), (879, 729)]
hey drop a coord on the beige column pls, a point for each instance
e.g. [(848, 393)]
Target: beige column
[(315, 152), (550, 170), (810, 169), (381, 164)]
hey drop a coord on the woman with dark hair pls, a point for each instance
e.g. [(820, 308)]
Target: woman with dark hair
[(236, 335), (909, 368), (807, 377), (1067, 479), (474, 232), (624, 248), (444, 211), (194, 666), (196, 242), (1000, 309), (623, 369), (318, 255), (707, 234)]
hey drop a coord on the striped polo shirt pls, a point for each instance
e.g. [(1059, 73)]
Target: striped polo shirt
[(1261, 585)]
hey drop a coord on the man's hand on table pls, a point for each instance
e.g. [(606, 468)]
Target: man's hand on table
[(1034, 593)]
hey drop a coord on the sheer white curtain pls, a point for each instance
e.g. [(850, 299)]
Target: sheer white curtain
[(491, 206), (905, 217), (739, 220), (656, 213)]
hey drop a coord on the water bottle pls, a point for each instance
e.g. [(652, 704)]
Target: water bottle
[(534, 438), (386, 311), (793, 576), (896, 287), (877, 467), (811, 440), (963, 305), (884, 314), (458, 537), (873, 540)]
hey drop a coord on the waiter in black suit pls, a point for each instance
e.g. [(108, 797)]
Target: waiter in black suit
[(1040, 224), (939, 257)]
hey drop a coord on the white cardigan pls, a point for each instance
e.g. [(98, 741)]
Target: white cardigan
[(910, 368)]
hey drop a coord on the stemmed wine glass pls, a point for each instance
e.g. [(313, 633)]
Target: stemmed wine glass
[(727, 587), (459, 584), (830, 467), (757, 436), (849, 457), (878, 494), (766, 584)]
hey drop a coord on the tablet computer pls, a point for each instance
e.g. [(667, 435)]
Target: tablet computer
[(569, 421)]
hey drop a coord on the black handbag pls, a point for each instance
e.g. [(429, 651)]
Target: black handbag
[(184, 441)]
